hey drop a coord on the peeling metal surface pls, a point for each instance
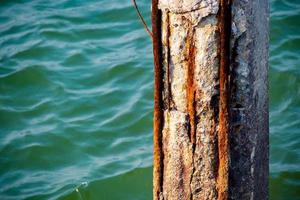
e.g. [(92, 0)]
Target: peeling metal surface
[(190, 52), (209, 130)]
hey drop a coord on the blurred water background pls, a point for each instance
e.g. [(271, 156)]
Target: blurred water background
[(76, 100)]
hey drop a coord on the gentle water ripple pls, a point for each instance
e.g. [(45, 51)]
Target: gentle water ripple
[(76, 98), (285, 100)]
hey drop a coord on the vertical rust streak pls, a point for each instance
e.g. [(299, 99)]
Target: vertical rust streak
[(158, 103), (224, 25), (191, 52), (191, 87)]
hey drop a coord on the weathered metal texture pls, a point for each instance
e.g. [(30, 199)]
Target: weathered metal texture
[(249, 142), (211, 109)]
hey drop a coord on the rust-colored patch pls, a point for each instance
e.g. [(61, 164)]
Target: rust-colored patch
[(191, 91), (158, 103), (191, 52), (224, 26)]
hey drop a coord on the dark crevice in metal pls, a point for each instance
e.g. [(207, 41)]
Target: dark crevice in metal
[(168, 70), (158, 102)]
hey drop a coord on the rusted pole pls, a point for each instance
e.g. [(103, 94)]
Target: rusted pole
[(211, 99)]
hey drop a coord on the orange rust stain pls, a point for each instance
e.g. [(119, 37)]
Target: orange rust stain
[(191, 87), (158, 104), (224, 26)]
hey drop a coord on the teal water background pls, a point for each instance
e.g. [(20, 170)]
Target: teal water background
[(76, 100)]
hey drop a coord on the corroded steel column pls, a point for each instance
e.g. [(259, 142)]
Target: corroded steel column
[(211, 105)]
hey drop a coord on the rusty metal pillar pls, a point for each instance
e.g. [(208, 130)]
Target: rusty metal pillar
[(211, 99)]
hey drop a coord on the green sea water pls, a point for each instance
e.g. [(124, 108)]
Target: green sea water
[(76, 100)]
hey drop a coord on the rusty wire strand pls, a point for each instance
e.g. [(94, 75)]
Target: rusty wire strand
[(142, 19)]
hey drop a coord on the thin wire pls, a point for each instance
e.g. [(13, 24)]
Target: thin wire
[(142, 19)]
